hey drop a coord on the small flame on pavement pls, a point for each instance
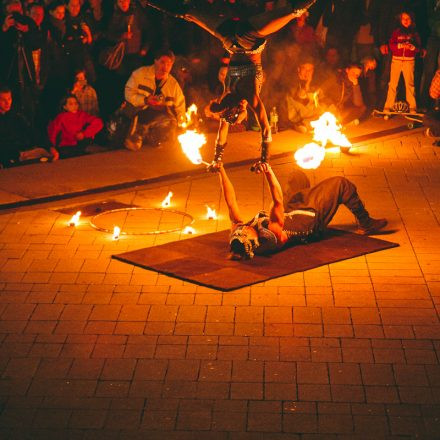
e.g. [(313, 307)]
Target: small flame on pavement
[(166, 202), (74, 221), (116, 232), (310, 156), (189, 230), (211, 214)]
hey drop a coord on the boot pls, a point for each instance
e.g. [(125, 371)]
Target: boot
[(218, 156), (366, 225), (175, 8), (371, 226)]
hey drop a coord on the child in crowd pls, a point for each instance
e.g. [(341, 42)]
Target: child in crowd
[(72, 130), (404, 44), (85, 93)]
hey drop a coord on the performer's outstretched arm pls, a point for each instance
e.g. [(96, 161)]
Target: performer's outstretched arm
[(277, 206), (229, 195)]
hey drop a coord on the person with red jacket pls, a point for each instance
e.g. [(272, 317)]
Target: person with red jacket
[(72, 130), (404, 44)]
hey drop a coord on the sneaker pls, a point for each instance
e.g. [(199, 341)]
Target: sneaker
[(428, 133), (372, 226)]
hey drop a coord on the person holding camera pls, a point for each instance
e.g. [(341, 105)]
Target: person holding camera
[(17, 41)]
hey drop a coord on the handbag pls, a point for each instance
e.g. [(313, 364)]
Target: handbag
[(111, 57)]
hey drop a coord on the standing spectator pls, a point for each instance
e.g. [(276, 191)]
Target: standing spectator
[(342, 19), (73, 130), (78, 40), (367, 80), (59, 67), (304, 34), (404, 45), (128, 29), (364, 40), (85, 93), (17, 41)]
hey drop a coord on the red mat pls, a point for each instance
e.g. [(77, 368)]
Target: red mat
[(203, 259)]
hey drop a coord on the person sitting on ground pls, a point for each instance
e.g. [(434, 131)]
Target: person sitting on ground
[(72, 132), (345, 94), (157, 103), (301, 104), (297, 217), (16, 137), (85, 93)]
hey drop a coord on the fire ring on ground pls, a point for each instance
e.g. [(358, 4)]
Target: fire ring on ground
[(134, 221)]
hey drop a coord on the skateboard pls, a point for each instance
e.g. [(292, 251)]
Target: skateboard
[(415, 119)]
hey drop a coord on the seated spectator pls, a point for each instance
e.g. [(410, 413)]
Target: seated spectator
[(73, 130), (345, 94), (85, 94), (156, 100), (16, 139), (301, 102)]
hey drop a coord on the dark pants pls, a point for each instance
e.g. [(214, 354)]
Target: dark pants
[(324, 198)]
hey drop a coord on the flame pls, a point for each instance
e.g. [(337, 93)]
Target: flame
[(191, 142), (191, 111), (116, 232), (315, 99), (211, 214), (310, 156), (74, 221), (189, 230), (166, 202), (327, 129)]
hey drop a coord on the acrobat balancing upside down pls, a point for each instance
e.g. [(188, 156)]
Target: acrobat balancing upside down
[(245, 41)]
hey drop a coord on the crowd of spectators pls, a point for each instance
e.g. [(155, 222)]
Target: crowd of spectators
[(79, 76)]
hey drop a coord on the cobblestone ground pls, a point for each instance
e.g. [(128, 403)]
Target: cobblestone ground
[(93, 348)]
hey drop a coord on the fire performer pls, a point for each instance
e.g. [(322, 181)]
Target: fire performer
[(297, 217), (244, 41)]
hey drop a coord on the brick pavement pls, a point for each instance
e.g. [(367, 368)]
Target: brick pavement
[(93, 348)]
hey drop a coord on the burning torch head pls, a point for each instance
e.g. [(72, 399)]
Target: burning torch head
[(243, 242), (231, 108)]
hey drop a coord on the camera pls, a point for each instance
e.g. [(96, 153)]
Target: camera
[(19, 18)]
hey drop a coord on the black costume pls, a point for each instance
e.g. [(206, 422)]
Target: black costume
[(308, 211), (244, 40)]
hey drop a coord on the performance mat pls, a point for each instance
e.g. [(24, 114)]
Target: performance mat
[(203, 259)]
